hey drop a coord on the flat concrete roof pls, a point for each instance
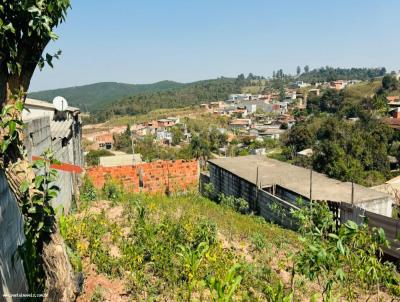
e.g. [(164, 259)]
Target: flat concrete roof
[(295, 179)]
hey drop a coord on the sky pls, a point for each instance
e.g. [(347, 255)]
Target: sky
[(146, 41)]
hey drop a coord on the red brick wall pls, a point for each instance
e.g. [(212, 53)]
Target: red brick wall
[(158, 177)]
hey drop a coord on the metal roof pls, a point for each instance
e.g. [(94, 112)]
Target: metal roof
[(60, 129)]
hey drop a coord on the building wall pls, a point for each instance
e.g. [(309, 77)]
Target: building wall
[(38, 139), (157, 177), (12, 275), (381, 206)]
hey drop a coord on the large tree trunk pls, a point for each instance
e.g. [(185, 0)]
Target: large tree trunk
[(60, 282)]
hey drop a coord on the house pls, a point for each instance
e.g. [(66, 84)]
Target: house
[(164, 136), (300, 84), (271, 132), (240, 124), (240, 112), (396, 113), (313, 92), (174, 119), (164, 123), (216, 105), (393, 99), (338, 84), (393, 123), (61, 131), (104, 141)]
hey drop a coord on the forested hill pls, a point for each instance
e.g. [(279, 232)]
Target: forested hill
[(94, 96), (326, 74), (187, 95)]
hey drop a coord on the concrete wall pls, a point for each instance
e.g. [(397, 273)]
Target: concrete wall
[(271, 207), (38, 139), (276, 210), (154, 177), (381, 206), (12, 275)]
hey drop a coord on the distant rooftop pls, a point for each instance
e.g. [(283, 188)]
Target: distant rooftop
[(295, 179)]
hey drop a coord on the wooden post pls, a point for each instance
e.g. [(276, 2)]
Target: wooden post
[(310, 183), (352, 193)]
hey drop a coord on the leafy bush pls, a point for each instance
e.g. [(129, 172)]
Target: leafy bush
[(238, 204), (93, 156), (88, 192), (112, 189), (353, 254), (258, 242)]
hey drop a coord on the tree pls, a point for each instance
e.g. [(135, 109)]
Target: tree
[(389, 83), (26, 28), (177, 135), (298, 70), (200, 148), (306, 69), (330, 101)]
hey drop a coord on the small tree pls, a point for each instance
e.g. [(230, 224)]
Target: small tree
[(26, 27)]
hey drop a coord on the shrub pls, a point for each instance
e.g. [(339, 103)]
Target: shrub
[(238, 204), (93, 156), (258, 242), (88, 191), (112, 189)]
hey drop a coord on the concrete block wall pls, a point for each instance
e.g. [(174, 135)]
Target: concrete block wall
[(12, 275), (154, 177)]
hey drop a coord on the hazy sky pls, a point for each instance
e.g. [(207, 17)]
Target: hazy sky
[(146, 41)]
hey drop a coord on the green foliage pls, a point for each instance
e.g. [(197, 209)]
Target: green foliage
[(352, 151), (200, 147), (26, 27), (183, 96), (345, 150), (11, 126), (177, 135), (238, 204), (93, 156), (192, 259), (97, 295), (112, 189), (222, 290), (326, 74), (94, 96), (389, 83), (277, 293), (340, 259), (258, 242), (87, 191), (151, 151), (123, 141), (38, 218)]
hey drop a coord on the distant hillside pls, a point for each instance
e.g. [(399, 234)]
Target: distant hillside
[(326, 74), (94, 96), (187, 95)]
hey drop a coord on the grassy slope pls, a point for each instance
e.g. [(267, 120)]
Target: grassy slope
[(141, 260), (94, 96)]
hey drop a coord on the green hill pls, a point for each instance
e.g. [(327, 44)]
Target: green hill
[(188, 95), (95, 96)]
